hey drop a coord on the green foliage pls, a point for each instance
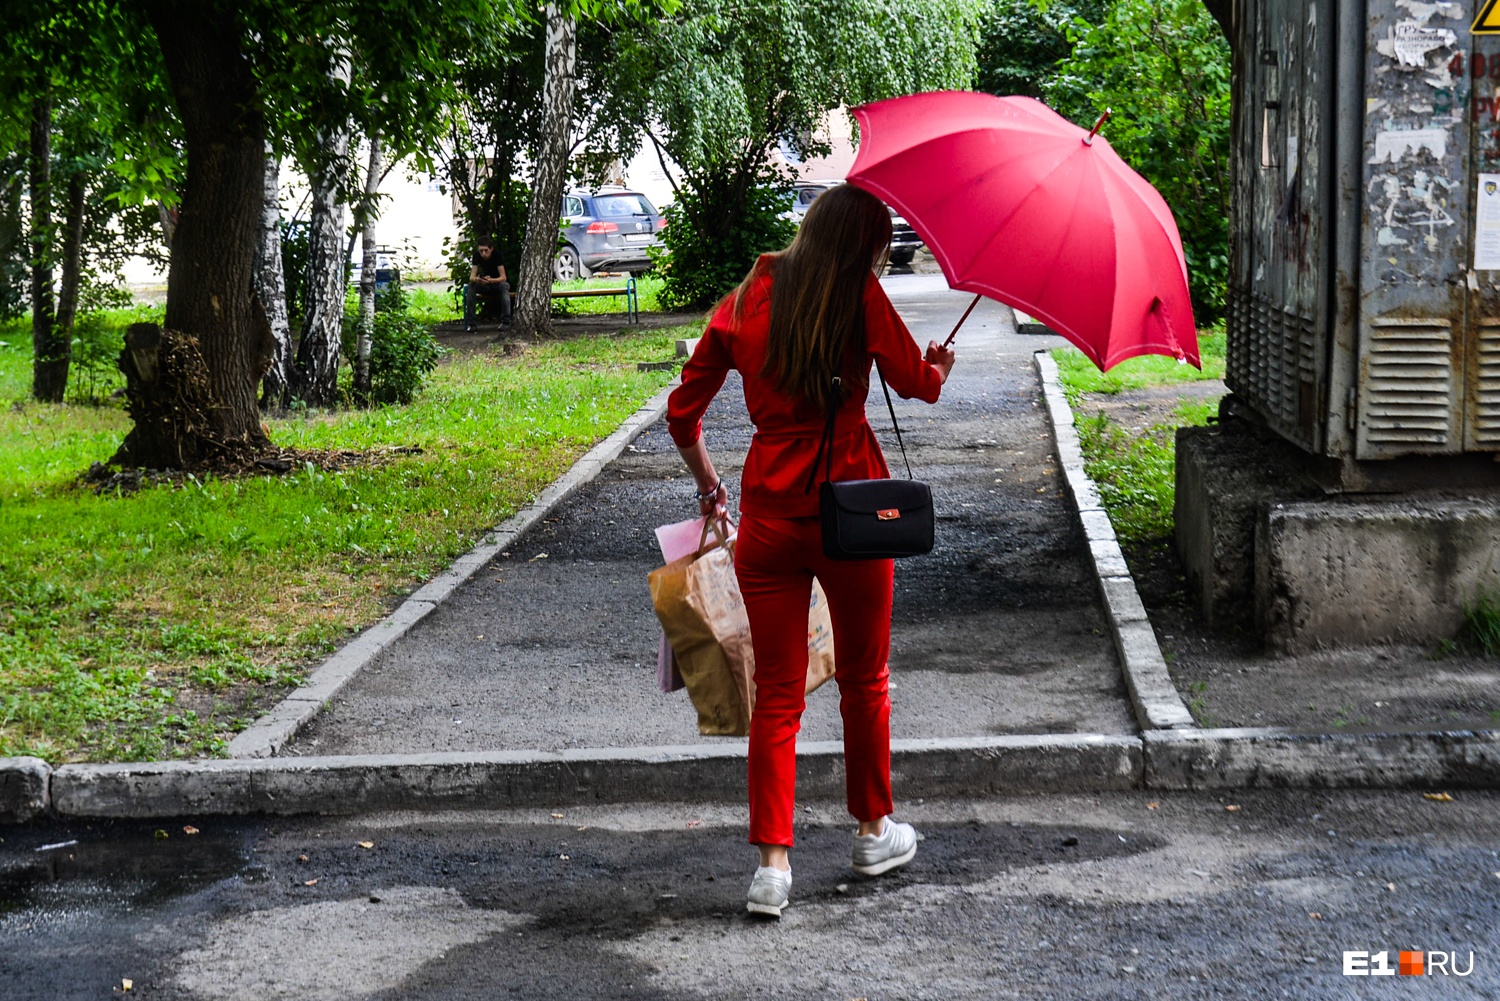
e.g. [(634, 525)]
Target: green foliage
[(1162, 68), (721, 85), (1136, 475), (403, 353), (1020, 42), (698, 268), (157, 624)]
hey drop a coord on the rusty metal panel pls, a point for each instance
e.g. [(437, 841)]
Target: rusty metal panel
[(1415, 238), (1277, 305)]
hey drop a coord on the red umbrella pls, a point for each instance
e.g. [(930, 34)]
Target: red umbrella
[(1019, 204)]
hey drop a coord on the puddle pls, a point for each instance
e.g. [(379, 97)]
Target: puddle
[(117, 865)]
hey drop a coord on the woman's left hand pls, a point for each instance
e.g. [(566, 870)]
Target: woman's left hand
[(715, 503), (940, 358)]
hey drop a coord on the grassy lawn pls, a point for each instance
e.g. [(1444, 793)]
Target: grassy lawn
[(1134, 467), (157, 624)]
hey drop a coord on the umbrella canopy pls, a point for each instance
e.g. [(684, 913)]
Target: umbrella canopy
[(1019, 204)]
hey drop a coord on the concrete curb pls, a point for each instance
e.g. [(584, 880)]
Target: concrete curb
[(1157, 704), (363, 783), (1166, 760), (1265, 758), (266, 735), (25, 789)]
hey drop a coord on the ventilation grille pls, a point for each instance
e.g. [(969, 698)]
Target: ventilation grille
[(1406, 401), (1271, 363), (1484, 424)]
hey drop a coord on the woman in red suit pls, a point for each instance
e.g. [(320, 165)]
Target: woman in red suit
[(802, 317)]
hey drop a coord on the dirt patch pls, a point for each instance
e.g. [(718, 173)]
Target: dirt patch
[(1228, 680)]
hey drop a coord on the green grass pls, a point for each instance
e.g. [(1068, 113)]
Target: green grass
[(1481, 628), (1079, 375), (156, 624), (1136, 470)]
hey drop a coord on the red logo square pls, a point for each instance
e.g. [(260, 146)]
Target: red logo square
[(1411, 963)]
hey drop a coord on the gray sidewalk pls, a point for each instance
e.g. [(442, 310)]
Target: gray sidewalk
[(553, 643)]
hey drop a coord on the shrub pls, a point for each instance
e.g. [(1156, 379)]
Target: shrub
[(708, 250), (403, 353)]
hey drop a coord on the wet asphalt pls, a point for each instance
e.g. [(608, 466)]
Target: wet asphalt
[(1122, 896), (997, 631)]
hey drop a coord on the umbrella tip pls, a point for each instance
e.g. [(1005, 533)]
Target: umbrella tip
[(1088, 140)]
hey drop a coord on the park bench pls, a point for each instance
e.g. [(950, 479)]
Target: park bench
[(632, 304)]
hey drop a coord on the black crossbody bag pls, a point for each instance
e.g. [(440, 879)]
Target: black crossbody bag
[(871, 519)]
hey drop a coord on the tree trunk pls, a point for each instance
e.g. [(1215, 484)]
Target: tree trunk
[(49, 366), (211, 308), (168, 219), (535, 278), (316, 373), (72, 262), (366, 335), (270, 287)]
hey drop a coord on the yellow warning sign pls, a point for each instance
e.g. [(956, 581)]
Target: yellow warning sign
[(1487, 21)]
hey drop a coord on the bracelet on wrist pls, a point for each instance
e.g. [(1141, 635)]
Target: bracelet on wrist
[(710, 494)]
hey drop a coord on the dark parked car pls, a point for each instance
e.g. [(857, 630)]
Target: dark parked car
[(606, 230), (904, 240)]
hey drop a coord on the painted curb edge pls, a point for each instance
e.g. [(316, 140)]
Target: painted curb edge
[(271, 731), (1157, 704)]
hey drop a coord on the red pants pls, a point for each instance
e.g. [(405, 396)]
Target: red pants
[(776, 560)]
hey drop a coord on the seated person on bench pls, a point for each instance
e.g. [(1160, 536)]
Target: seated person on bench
[(487, 283)]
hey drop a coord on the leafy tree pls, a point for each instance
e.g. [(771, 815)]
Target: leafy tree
[(1021, 41), (239, 74), (719, 86), (1162, 68)]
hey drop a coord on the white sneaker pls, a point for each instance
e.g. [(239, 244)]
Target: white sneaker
[(893, 847), (769, 891)]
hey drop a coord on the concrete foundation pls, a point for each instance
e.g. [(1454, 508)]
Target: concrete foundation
[(1226, 474), (1373, 569), (1264, 547)]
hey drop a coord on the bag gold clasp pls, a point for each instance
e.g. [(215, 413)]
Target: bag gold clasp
[(889, 514)]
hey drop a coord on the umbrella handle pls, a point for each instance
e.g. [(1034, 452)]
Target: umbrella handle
[(1088, 140), (961, 320)]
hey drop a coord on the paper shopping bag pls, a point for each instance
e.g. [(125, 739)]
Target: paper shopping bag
[(701, 659)]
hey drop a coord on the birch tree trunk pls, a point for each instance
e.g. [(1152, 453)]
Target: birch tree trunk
[(534, 304), (49, 366), (317, 367), (270, 288), (366, 331)]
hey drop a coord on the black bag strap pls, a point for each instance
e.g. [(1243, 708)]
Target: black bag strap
[(825, 445)]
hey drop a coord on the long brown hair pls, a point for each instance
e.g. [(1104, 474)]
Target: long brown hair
[(817, 293)]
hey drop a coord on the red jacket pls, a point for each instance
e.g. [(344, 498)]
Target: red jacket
[(788, 430)]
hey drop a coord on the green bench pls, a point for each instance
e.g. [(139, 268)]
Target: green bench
[(632, 304)]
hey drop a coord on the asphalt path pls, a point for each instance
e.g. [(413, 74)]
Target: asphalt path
[(553, 645), (1123, 896)]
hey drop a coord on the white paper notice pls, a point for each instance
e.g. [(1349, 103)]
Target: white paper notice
[(1487, 224)]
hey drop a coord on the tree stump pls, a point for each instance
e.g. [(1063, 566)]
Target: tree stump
[(178, 421)]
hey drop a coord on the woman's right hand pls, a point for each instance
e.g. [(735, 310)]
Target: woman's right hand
[(940, 358)]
